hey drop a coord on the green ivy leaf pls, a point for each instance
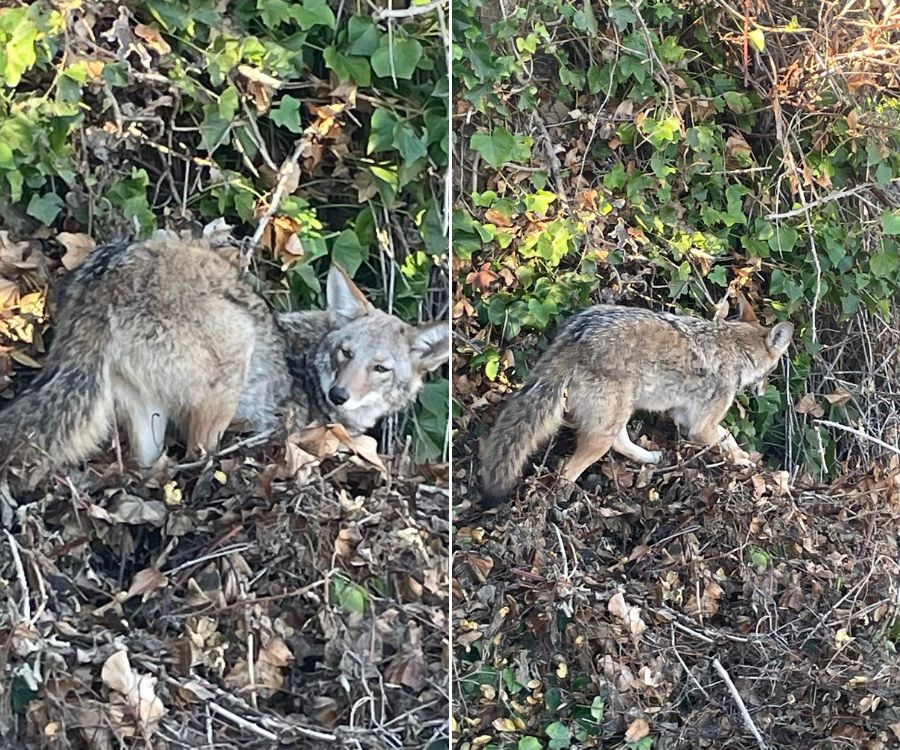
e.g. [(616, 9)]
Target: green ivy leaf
[(214, 128), (539, 202), (313, 13), (529, 743), (45, 208), (783, 239), (381, 130), (501, 146), (287, 114), (890, 222), (757, 39), (6, 157), (228, 103), (406, 54), (347, 67), (348, 252), (273, 12), (411, 146), (363, 36), (19, 53), (560, 736), (883, 264)]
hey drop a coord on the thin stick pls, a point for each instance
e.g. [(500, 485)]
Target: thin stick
[(829, 198), (244, 723), (20, 573), (414, 10), (748, 720), (859, 433), (284, 174)]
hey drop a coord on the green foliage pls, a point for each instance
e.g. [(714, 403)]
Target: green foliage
[(194, 122), (352, 598), (707, 194)]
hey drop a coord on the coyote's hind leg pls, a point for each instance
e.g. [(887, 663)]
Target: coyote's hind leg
[(598, 424), (715, 434)]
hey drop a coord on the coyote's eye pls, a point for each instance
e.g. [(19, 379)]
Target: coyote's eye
[(382, 368), (346, 352)]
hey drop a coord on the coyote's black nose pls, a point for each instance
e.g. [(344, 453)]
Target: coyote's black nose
[(338, 395)]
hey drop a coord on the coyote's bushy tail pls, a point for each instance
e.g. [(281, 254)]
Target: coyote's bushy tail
[(67, 411), (530, 417)]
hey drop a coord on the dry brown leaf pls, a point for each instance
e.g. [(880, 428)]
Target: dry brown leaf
[(839, 397), (146, 582), (135, 511), (77, 245), (324, 441), (153, 39), (808, 405), (481, 566), (637, 730), (137, 691), (738, 147), (482, 278), (9, 293)]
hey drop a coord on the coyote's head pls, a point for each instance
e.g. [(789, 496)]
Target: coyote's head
[(371, 364), (760, 347)]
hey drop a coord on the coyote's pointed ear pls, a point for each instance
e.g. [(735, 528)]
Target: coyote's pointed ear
[(746, 312), (344, 300), (430, 346), (779, 338)]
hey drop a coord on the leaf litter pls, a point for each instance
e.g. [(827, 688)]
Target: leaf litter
[(792, 588), (293, 593)]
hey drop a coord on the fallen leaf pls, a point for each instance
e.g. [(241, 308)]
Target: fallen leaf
[(637, 730), (78, 245), (137, 690), (153, 39), (146, 582)]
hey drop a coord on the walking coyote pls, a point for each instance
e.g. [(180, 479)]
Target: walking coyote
[(159, 332), (609, 361)]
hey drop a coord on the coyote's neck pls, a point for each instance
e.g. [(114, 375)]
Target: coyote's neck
[(307, 388), (303, 334)]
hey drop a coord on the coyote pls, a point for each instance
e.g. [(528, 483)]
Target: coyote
[(161, 332), (609, 361)]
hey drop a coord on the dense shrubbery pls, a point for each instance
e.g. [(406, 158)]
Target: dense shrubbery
[(661, 153), (116, 120)]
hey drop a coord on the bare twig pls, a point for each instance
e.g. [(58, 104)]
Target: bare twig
[(748, 720), (246, 724), (20, 574), (858, 433), (287, 171), (413, 10)]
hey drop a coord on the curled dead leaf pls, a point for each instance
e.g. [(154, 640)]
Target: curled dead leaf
[(637, 730), (78, 245), (136, 691), (153, 39)]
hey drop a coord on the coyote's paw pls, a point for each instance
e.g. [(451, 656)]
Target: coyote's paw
[(740, 458), (654, 457)]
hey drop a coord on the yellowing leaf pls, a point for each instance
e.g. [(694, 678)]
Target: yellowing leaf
[(757, 39), (172, 494)]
